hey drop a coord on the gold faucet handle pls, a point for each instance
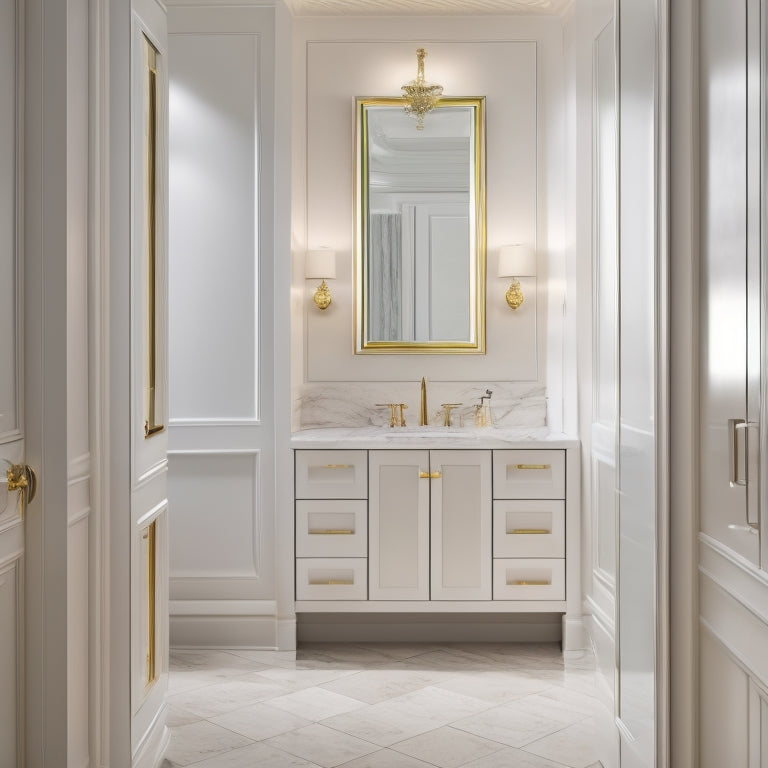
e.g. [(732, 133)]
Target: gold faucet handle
[(392, 411), (402, 407), (448, 408)]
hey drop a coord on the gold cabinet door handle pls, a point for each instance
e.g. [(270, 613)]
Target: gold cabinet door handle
[(529, 583), (516, 531), (430, 475), (533, 466), (331, 532), (338, 466)]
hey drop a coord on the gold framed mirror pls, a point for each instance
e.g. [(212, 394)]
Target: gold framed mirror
[(420, 228)]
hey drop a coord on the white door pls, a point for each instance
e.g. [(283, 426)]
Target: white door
[(733, 621), (149, 382), (11, 427)]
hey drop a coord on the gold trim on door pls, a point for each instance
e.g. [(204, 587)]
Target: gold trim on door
[(151, 425), (150, 536)]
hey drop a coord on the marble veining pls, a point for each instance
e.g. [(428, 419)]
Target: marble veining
[(353, 404), (401, 705)]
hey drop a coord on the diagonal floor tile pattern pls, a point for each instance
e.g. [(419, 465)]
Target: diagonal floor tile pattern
[(376, 705)]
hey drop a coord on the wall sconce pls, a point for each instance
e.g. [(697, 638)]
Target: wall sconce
[(516, 261), (321, 264), (421, 96)]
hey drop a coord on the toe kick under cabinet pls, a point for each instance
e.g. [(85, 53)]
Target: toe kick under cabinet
[(437, 530)]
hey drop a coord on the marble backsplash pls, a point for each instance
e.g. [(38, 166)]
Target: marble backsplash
[(353, 404)]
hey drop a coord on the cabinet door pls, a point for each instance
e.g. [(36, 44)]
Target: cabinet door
[(398, 548), (461, 525)]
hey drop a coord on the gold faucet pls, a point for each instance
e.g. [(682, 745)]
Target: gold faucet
[(448, 407), (423, 418), (396, 415)]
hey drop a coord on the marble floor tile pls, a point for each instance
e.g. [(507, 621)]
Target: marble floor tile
[(386, 758), (572, 746), (440, 705), (255, 755), (260, 721), (512, 758), (321, 745), (376, 705), (382, 724), (214, 662), (296, 679), (175, 717), (510, 725), (493, 686), (374, 686), (198, 741), (315, 703), (361, 654), (217, 699), (447, 747), (451, 659)]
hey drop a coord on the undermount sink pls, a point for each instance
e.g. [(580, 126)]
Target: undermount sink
[(454, 433)]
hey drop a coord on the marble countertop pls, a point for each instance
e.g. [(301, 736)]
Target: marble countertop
[(431, 437)]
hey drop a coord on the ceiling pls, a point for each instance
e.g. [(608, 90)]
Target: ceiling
[(426, 7)]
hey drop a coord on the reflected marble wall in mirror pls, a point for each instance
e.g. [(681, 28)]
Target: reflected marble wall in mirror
[(420, 200)]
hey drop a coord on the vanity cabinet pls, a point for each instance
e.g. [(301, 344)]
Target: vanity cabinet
[(430, 525), (529, 525), (393, 529), (331, 525)]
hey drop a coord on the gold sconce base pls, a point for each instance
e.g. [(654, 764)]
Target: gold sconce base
[(322, 296), (514, 295)]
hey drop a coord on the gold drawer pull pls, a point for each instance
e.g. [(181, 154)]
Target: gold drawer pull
[(524, 583), (330, 532), (533, 466), (338, 466), (528, 530), (332, 583), (431, 475)]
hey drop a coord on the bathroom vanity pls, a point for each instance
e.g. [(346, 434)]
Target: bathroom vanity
[(438, 520)]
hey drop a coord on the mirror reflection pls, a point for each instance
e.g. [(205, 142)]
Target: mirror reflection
[(421, 255)]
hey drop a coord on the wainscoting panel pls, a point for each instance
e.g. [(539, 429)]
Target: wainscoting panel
[(11, 661), (217, 583)]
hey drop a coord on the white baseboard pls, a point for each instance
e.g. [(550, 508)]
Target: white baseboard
[(341, 627), (257, 632), (286, 634)]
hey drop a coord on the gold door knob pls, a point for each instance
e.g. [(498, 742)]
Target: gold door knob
[(22, 478)]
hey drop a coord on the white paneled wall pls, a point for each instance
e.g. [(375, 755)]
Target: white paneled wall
[(515, 63), (214, 193), (222, 326)]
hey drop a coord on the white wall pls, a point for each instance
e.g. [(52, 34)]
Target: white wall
[(225, 339), (515, 63)]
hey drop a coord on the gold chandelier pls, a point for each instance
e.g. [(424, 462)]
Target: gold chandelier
[(420, 95)]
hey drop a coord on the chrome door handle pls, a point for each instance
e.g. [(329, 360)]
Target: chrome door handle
[(734, 427)]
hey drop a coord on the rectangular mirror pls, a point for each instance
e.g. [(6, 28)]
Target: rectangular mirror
[(420, 228)]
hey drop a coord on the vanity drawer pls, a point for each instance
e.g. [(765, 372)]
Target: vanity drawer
[(331, 474), (534, 474), (332, 528), (529, 528), (529, 579), (326, 578)]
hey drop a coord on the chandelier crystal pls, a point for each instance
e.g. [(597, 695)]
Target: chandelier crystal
[(421, 96)]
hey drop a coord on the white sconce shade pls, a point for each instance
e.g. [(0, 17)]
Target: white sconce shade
[(517, 261), (320, 263)]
